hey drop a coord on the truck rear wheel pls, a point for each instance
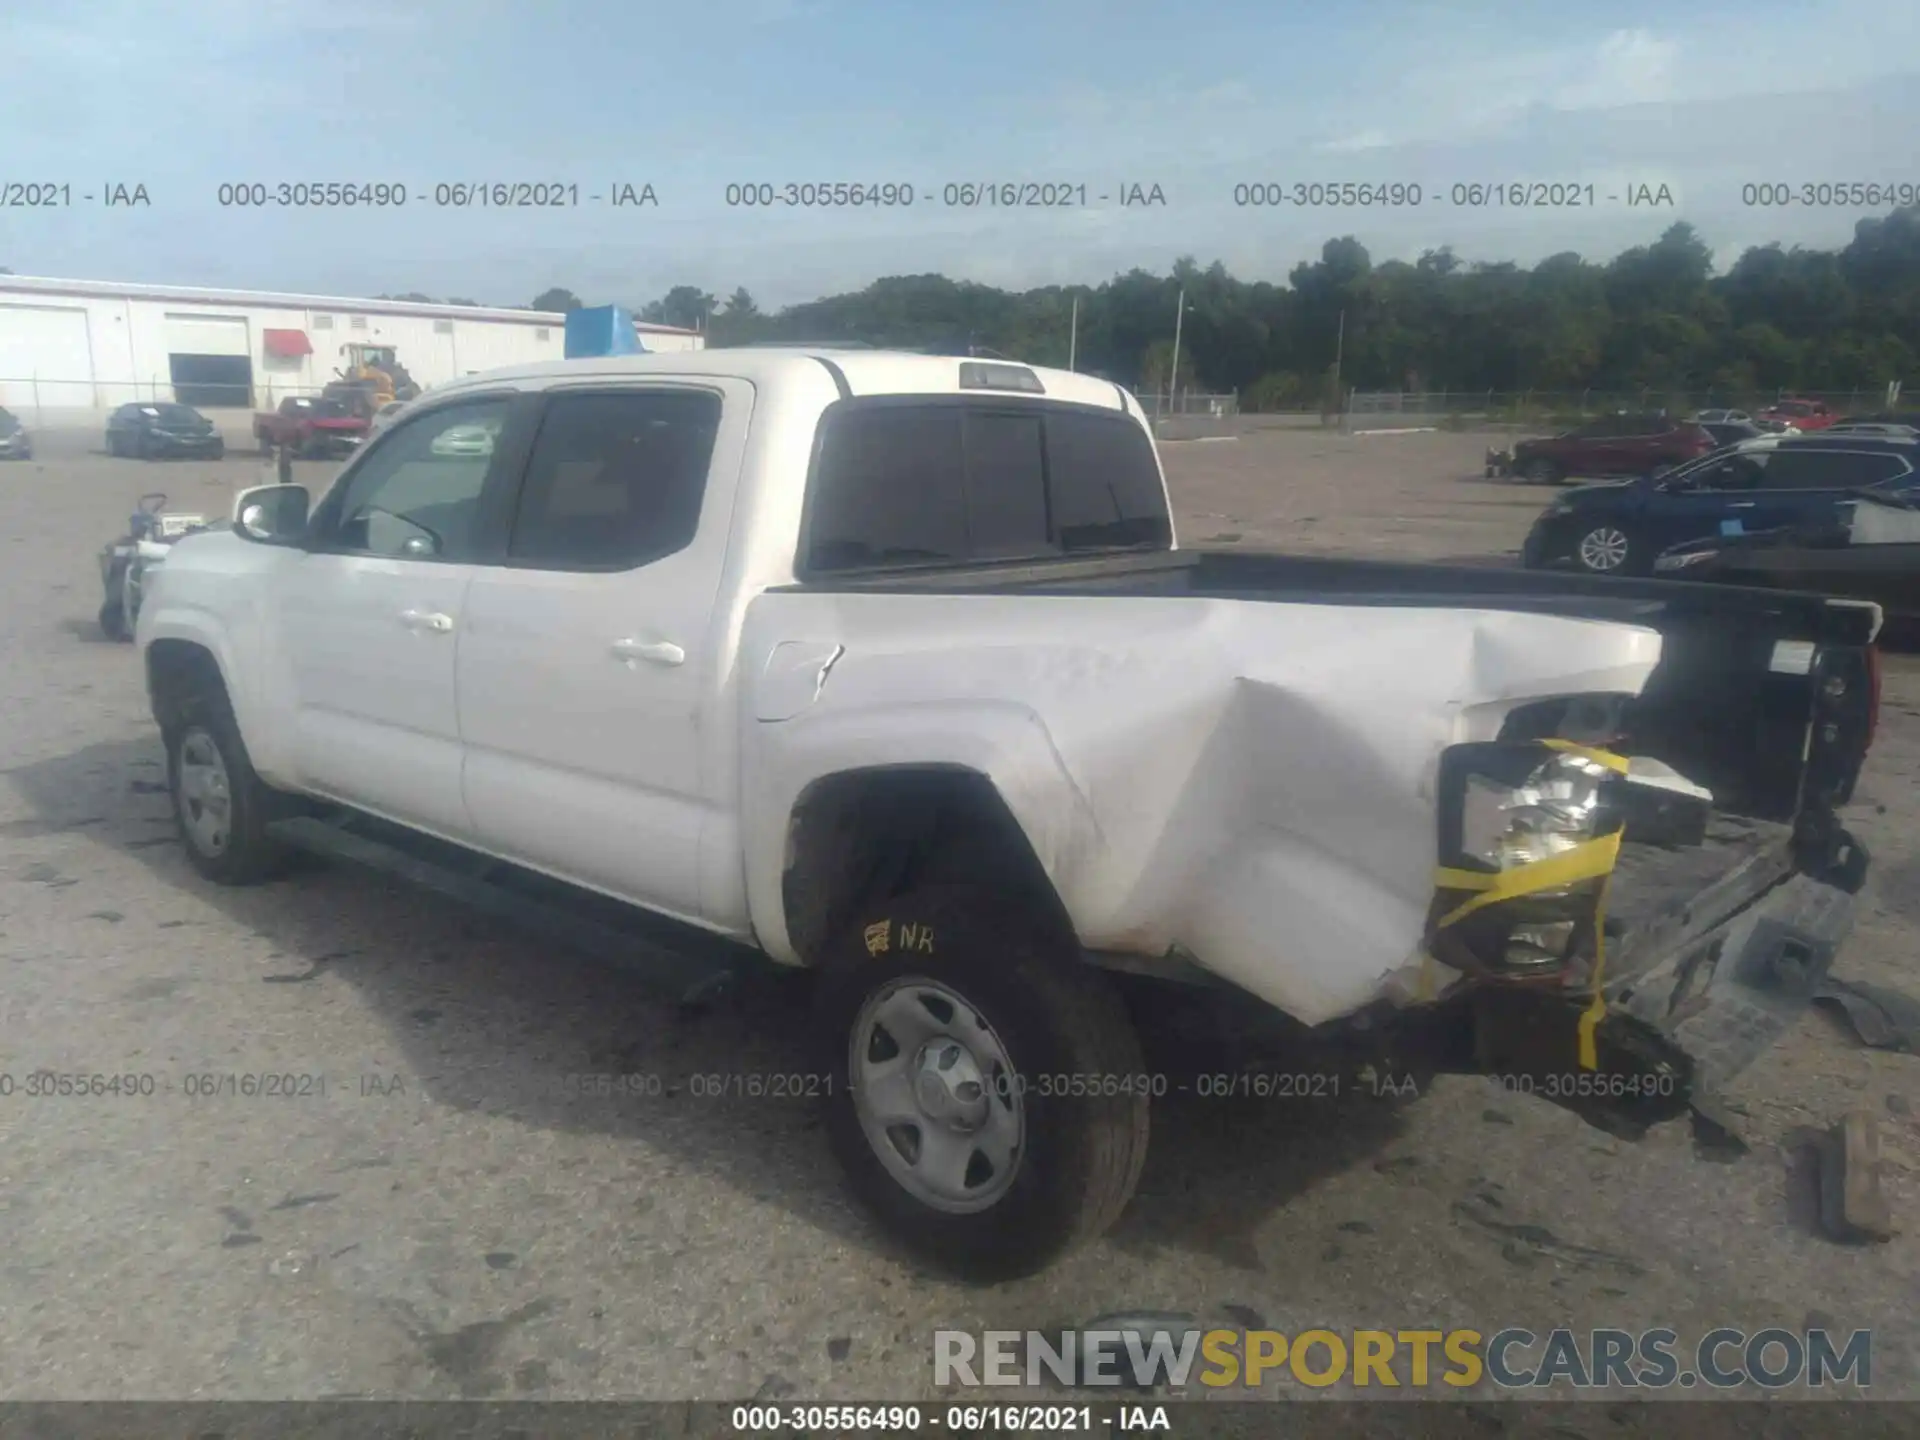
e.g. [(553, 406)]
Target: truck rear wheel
[(220, 806), (987, 1098)]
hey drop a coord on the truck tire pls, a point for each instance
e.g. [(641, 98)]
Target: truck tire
[(220, 806), (971, 1057)]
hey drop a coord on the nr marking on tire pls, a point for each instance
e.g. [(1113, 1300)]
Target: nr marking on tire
[(915, 938)]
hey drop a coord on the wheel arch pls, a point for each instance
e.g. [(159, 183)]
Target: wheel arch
[(873, 832), (177, 670)]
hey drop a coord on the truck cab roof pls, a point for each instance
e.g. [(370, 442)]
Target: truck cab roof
[(850, 373)]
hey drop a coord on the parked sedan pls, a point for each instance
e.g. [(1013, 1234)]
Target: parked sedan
[(1870, 552), (1729, 432), (160, 431), (15, 443), (1759, 485), (465, 442), (1623, 444)]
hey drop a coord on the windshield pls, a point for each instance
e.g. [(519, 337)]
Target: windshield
[(177, 414)]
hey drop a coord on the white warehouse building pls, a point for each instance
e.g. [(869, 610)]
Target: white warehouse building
[(73, 350)]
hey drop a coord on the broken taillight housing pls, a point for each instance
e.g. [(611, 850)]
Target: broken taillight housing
[(1554, 809), (1557, 807), (1505, 806)]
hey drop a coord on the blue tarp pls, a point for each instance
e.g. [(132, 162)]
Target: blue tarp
[(602, 330)]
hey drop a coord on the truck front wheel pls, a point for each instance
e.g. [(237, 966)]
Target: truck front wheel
[(220, 806), (987, 1095)]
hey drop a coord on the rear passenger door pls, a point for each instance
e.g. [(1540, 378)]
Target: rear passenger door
[(590, 664)]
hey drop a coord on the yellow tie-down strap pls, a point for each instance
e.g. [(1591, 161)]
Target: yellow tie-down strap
[(1589, 860)]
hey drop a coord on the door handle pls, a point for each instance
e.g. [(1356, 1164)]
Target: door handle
[(430, 620), (661, 652)]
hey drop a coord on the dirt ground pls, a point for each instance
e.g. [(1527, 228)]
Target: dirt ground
[(446, 1222)]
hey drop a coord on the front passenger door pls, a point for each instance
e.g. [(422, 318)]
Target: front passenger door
[(367, 624)]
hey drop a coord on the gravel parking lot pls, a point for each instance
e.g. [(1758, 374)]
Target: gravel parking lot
[(444, 1221)]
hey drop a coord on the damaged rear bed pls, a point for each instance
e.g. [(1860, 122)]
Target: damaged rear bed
[(1714, 940)]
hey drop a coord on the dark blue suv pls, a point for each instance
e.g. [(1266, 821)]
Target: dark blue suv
[(1619, 529)]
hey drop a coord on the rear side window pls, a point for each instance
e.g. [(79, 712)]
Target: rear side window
[(615, 481), (890, 489), (1829, 469), (1103, 483), (899, 484)]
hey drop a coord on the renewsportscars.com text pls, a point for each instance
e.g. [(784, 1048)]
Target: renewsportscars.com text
[(1512, 1358)]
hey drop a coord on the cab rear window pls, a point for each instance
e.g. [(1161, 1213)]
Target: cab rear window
[(916, 482)]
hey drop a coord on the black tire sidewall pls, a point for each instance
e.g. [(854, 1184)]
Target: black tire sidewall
[(1008, 969), (251, 855)]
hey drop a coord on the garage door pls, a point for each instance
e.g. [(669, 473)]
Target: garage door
[(209, 360), (50, 343), (207, 335)]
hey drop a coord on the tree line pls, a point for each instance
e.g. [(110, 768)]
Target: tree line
[(1655, 317)]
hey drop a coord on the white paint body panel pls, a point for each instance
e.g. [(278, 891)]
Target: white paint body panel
[(1251, 783), (1248, 783)]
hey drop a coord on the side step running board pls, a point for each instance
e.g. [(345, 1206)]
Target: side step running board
[(681, 964)]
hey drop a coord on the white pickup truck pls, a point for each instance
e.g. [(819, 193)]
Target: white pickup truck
[(888, 665)]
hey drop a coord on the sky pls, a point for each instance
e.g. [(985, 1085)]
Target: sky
[(1193, 98)]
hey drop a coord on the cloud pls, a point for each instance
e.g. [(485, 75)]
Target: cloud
[(1365, 140), (1633, 67)]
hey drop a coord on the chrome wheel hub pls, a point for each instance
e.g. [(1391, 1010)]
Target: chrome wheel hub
[(936, 1096), (203, 794), (1603, 549)]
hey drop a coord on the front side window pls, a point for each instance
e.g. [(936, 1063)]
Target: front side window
[(615, 480), (416, 495)]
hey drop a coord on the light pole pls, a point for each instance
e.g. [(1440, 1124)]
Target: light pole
[(1173, 376), (1073, 334)]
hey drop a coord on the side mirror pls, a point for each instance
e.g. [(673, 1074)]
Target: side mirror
[(271, 514)]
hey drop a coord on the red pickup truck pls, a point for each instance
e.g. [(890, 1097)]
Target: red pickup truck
[(313, 429), (1802, 414)]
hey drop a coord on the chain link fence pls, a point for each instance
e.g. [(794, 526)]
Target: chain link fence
[(1387, 410), (1158, 403), (56, 407)]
